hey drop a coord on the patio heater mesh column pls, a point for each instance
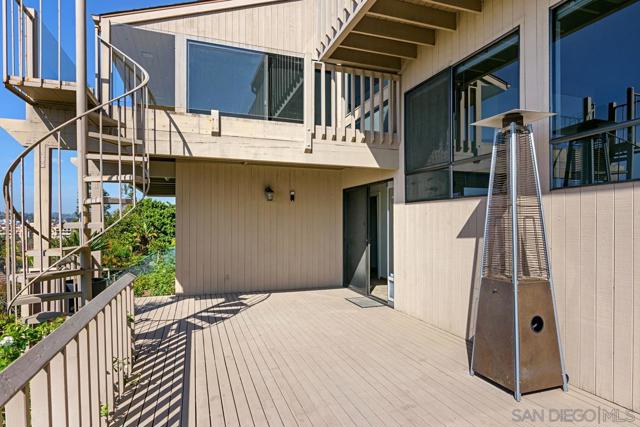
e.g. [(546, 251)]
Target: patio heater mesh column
[(516, 342)]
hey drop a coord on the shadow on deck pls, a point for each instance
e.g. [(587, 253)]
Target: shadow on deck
[(314, 359)]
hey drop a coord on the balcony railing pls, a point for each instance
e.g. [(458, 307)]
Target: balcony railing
[(355, 105), (33, 51), (77, 374)]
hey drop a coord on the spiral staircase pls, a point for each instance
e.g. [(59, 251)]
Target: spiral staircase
[(51, 264)]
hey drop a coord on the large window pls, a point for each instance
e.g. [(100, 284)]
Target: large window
[(244, 83), (595, 92), (445, 155)]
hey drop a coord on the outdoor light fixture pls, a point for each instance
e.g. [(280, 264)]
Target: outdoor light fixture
[(268, 193), (292, 195)]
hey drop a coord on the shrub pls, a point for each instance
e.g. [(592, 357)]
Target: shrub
[(159, 281), (16, 337)]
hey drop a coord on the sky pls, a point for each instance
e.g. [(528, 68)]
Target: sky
[(13, 107)]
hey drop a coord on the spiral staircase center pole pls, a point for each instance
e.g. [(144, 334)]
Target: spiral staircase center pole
[(81, 141)]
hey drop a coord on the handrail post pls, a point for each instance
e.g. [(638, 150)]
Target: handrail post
[(81, 141), (5, 54), (309, 90)]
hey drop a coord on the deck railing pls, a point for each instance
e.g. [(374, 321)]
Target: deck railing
[(32, 50), (355, 105), (75, 375)]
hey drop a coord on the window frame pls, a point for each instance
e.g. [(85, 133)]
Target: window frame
[(575, 137), (451, 163)]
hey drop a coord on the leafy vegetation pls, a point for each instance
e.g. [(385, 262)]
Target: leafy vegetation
[(17, 337), (158, 278), (149, 229), (144, 243)]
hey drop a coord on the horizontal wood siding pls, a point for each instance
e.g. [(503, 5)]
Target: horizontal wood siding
[(593, 231), (230, 238)]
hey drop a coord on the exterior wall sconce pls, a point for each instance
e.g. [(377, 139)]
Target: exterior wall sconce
[(268, 193), (292, 196)]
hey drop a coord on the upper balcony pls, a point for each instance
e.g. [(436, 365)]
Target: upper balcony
[(209, 98), (381, 34)]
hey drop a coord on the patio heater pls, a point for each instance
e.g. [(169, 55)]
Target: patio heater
[(517, 342)]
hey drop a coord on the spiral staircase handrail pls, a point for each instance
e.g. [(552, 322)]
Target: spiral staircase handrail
[(14, 166)]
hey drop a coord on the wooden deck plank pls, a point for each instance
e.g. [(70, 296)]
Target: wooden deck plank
[(148, 334), (216, 412), (226, 392), (305, 408), (254, 373), (203, 412), (224, 310), (255, 404), (312, 358), (331, 410), (273, 383)]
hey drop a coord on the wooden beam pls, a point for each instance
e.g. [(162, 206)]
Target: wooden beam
[(414, 14), (395, 31), (379, 45), (473, 6), (366, 60)]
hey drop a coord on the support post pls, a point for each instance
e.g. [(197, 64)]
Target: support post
[(309, 90), (81, 145), (5, 54), (513, 173)]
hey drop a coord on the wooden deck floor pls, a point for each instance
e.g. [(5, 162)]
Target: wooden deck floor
[(314, 359)]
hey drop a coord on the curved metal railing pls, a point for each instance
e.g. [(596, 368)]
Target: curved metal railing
[(118, 131)]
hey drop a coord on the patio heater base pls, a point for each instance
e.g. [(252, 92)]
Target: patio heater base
[(540, 362)]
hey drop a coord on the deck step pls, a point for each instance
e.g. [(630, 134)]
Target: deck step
[(43, 316), (113, 139), (107, 121), (107, 201), (39, 298), (48, 275), (114, 178), (111, 158), (52, 252), (75, 225)]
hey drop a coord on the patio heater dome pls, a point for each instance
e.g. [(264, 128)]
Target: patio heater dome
[(516, 342)]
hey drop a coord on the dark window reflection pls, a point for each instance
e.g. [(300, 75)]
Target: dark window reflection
[(485, 85), (244, 83), (318, 100), (427, 124), (471, 178), (595, 91), (428, 185)]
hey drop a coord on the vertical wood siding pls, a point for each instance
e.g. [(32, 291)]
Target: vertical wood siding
[(279, 26), (594, 231), (229, 238)]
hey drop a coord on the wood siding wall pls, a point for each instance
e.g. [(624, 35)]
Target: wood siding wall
[(278, 26), (230, 239), (594, 232)]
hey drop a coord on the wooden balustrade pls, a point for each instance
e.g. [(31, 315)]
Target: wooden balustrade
[(355, 105), (75, 375)]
